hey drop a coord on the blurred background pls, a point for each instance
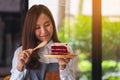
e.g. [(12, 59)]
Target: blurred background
[(74, 26)]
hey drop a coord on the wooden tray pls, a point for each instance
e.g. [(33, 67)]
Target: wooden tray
[(60, 56)]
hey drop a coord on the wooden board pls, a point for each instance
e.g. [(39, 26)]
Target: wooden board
[(60, 56)]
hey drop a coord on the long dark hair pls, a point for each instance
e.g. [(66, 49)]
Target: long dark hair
[(28, 35)]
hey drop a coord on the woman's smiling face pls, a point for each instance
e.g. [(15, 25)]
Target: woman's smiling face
[(43, 28)]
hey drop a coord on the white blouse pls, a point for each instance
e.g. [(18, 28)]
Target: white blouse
[(67, 74)]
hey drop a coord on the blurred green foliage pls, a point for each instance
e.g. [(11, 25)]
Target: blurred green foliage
[(110, 39), (78, 34)]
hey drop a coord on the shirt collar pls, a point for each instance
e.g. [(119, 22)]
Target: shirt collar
[(49, 44)]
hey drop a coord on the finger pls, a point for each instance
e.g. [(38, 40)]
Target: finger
[(66, 61), (24, 55), (21, 59), (61, 59), (29, 51), (27, 54)]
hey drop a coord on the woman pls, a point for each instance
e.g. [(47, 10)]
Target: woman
[(27, 64)]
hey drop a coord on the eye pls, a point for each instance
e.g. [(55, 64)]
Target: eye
[(47, 24), (37, 27)]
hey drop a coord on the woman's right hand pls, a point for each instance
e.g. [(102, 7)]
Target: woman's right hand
[(23, 58)]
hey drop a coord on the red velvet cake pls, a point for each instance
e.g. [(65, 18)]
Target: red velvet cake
[(59, 49)]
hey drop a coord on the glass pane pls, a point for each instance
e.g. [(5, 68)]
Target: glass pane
[(74, 28), (111, 39)]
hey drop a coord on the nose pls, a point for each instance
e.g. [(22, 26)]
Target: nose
[(43, 30)]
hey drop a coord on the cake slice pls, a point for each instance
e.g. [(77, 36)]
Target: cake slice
[(59, 49)]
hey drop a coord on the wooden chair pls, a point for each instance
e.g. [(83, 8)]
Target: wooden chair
[(6, 77), (52, 76)]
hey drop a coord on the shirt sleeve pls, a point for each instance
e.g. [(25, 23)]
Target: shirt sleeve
[(15, 74), (69, 72)]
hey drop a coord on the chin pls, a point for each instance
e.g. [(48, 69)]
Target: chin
[(45, 40)]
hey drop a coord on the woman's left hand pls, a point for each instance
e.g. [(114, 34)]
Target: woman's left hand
[(63, 62)]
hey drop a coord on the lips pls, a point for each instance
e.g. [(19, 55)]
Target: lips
[(44, 36)]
